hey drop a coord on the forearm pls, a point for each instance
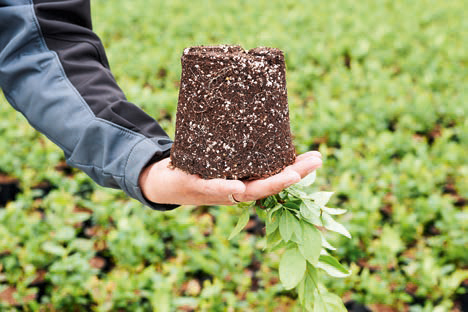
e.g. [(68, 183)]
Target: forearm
[(54, 70)]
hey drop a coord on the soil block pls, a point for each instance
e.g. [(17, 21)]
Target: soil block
[(232, 116)]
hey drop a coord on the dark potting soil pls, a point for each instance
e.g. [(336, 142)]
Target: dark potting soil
[(232, 115), (9, 188)]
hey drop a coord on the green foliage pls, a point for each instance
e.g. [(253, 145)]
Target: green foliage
[(303, 241), (379, 87)]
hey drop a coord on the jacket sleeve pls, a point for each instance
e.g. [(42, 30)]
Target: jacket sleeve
[(53, 69)]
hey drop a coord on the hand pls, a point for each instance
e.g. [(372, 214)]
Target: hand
[(258, 189), (165, 185)]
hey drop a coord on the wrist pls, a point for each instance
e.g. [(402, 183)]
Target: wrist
[(143, 180)]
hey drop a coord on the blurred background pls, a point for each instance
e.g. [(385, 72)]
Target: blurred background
[(379, 87)]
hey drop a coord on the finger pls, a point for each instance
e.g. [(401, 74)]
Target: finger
[(309, 154), (273, 185), (220, 187), (306, 165), (217, 191)]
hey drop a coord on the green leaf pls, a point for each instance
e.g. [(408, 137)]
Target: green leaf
[(272, 222), (330, 224), (54, 248), (292, 268), (261, 213), (312, 273), (310, 287), (319, 304), (311, 212), (273, 210), (321, 198), (333, 303), (78, 217), (452, 282), (301, 290), (273, 239), (330, 265), (305, 291), (281, 245), (65, 233), (296, 192), (312, 243), (390, 240), (297, 237), (334, 211), (269, 202), (246, 205), (241, 223), (308, 180), (326, 301), (82, 244), (326, 244), (288, 224), (292, 205)]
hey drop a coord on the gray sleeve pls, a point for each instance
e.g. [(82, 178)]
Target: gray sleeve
[(53, 70)]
